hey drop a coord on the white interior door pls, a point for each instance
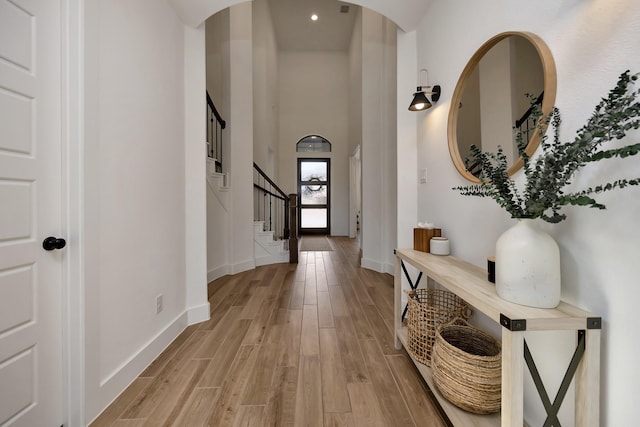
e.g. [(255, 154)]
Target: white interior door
[(30, 211)]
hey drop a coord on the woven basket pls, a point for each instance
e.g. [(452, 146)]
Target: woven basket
[(427, 310), (466, 364)]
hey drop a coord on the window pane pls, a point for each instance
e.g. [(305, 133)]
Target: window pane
[(313, 171), (313, 218), (313, 143), (314, 195)]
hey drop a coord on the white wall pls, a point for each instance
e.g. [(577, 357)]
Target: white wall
[(592, 43), (217, 72), (195, 206), (407, 160), (313, 99), (265, 90), (389, 103), (240, 98), (495, 99), (229, 216), (135, 190), (379, 174), (355, 125), (217, 61), (218, 230), (355, 84)]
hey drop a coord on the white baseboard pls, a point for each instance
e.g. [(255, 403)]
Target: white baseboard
[(243, 266), (218, 272), (223, 270), (377, 266), (198, 314), (390, 269), (272, 259), (115, 383), (372, 265)]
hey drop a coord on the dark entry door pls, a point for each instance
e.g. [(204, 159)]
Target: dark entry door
[(314, 194)]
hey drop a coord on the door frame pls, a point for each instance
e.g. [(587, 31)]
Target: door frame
[(70, 113), (355, 191), (299, 184), (72, 96)]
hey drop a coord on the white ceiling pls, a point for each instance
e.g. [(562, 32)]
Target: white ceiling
[(296, 31)]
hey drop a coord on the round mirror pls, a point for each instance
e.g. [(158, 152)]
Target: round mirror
[(495, 93)]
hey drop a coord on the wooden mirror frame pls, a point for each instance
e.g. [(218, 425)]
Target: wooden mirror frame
[(550, 86)]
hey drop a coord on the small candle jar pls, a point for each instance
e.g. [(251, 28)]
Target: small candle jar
[(439, 246)]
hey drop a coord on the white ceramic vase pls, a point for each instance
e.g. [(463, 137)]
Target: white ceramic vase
[(528, 266)]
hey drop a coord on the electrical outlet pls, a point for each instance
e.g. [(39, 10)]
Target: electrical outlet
[(423, 176), (159, 304)]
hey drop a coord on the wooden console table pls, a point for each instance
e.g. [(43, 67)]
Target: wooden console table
[(470, 283)]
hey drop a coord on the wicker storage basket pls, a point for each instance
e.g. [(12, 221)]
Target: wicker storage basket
[(466, 365), (427, 310)]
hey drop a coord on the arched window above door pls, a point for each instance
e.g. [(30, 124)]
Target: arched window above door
[(313, 144)]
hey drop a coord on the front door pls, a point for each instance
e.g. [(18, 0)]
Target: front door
[(30, 210), (314, 190)]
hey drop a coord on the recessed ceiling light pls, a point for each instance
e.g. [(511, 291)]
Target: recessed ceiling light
[(314, 17)]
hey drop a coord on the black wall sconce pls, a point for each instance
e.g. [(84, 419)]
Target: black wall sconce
[(420, 100)]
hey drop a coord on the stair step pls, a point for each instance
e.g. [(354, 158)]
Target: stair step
[(268, 249)]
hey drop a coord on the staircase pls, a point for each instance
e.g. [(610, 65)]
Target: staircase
[(272, 212), (218, 183), (268, 250)]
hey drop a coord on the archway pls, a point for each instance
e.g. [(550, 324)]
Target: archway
[(405, 13)]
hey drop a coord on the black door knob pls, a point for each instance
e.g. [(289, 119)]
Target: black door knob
[(51, 243)]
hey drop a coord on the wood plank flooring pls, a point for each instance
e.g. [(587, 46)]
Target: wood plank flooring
[(287, 345)]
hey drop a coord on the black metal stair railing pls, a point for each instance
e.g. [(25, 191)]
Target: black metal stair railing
[(273, 206), (215, 125), (527, 123)]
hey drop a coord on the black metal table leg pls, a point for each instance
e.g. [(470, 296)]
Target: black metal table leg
[(413, 287), (552, 409)]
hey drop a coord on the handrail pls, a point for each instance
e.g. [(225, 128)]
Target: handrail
[(475, 168), (266, 178), (527, 113), (214, 134), (264, 190), (526, 124), (219, 118)]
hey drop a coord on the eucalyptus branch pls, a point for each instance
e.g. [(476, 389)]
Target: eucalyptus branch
[(553, 170)]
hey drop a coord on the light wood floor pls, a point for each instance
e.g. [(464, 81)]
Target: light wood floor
[(287, 345)]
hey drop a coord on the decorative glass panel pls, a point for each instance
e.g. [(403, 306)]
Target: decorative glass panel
[(314, 195), (313, 171), (313, 144), (313, 218)]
